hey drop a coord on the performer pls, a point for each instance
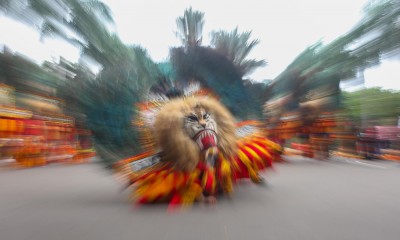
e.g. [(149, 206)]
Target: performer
[(200, 153)]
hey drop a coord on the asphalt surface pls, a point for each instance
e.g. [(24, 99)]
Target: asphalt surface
[(304, 199)]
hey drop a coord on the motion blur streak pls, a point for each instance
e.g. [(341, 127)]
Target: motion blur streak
[(196, 127)]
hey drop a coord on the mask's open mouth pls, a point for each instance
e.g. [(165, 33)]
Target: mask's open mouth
[(205, 139)]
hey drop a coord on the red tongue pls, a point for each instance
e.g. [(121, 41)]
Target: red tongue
[(208, 141)]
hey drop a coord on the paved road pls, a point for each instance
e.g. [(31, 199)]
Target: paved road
[(305, 199)]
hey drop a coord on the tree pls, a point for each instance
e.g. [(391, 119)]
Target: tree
[(108, 99), (325, 65), (20, 73), (212, 69), (373, 104), (82, 23), (236, 47), (190, 27), (215, 72), (382, 19)]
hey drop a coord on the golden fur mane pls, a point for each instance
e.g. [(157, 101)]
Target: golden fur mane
[(176, 145)]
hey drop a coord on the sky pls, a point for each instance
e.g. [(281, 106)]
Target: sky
[(26, 40), (284, 28)]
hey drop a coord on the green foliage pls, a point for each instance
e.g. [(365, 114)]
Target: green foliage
[(220, 68), (236, 47), (217, 73), (382, 18), (106, 102), (20, 72), (190, 27), (372, 104), (166, 69), (377, 34)]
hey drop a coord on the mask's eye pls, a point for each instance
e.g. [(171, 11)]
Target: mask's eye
[(206, 116), (192, 118)]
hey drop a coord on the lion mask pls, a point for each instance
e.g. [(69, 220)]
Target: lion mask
[(185, 128)]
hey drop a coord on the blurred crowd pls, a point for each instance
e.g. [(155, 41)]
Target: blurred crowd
[(34, 130), (328, 134)]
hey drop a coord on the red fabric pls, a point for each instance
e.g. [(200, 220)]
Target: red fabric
[(209, 177), (210, 180)]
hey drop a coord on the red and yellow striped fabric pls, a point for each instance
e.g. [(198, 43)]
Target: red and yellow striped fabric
[(163, 183)]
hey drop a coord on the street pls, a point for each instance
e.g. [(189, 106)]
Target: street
[(304, 199)]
